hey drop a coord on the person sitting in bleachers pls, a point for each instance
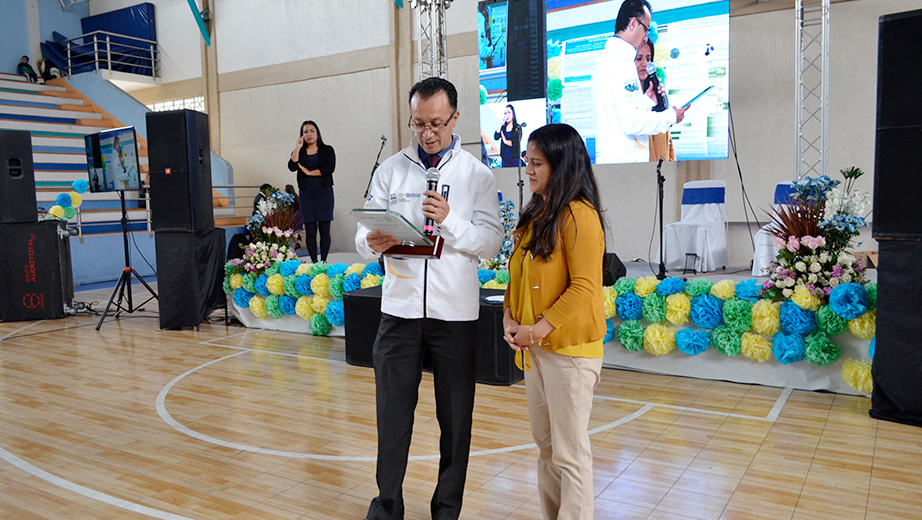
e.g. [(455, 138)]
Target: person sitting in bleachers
[(26, 70)]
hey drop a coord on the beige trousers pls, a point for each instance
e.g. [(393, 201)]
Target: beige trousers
[(559, 392)]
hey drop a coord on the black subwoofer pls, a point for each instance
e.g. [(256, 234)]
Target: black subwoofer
[(17, 177), (36, 280)]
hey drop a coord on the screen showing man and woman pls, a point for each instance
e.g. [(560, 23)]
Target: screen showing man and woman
[(688, 45), (112, 160)]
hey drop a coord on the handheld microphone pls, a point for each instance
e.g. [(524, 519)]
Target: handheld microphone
[(432, 181), (654, 80)]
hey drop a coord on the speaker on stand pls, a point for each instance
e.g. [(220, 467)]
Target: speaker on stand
[(17, 178)]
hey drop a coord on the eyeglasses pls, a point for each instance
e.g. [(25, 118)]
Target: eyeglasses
[(435, 127), (645, 26)]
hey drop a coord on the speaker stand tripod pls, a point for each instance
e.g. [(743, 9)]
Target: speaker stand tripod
[(123, 287)]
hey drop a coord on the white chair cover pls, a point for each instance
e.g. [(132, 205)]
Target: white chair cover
[(702, 230), (765, 252)]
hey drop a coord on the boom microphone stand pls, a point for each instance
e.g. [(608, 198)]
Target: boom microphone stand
[(660, 181), (375, 167), (517, 141), (124, 281)]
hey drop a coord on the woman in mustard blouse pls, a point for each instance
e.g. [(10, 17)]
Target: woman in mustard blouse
[(554, 316)]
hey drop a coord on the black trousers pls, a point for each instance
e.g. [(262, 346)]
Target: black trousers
[(398, 356)]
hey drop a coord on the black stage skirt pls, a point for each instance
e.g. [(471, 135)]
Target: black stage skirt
[(316, 201)]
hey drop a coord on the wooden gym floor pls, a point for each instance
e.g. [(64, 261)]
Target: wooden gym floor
[(133, 422)]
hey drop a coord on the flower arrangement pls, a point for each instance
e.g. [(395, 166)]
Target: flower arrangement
[(276, 220)]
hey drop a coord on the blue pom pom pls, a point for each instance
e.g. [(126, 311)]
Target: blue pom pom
[(80, 186), (872, 347), (692, 342), (352, 282), (849, 300), (63, 200), (373, 268), (337, 268), (261, 285), (242, 297), (748, 290), (287, 304), (335, 314), (797, 320), (670, 286), (788, 347), (485, 275), (629, 306), (707, 311), (289, 267), (303, 285), (609, 331)]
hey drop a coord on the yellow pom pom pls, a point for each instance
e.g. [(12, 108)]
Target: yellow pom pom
[(553, 68), (724, 289), (756, 348), (304, 268), (258, 307), (236, 281), (303, 308), (56, 211), (319, 303), (355, 269), (76, 199), (658, 339), (609, 295), (678, 307), (371, 280), (320, 285), (645, 286), (766, 317), (493, 284), (857, 374), (864, 326), (805, 299), (276, 284)]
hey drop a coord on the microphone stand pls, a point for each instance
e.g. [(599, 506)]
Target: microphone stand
[(375, 167), (517, 141), (660, 181)]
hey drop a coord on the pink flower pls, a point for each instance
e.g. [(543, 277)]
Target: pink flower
[(837, 270), (778, 243), (827, 290), (793, 244)]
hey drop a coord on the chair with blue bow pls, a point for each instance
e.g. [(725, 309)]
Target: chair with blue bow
[(698, 242), (765, 251)]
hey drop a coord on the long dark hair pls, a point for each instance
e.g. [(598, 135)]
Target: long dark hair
[(319, 137), (571, 179), (515, 123), (645, 84)]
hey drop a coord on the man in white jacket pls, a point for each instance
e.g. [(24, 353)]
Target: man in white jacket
[(430, 305), (622, 108)]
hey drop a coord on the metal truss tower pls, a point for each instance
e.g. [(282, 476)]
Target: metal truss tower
[(433, 57), (812, 110)]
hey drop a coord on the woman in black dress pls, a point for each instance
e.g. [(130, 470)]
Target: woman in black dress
[(314, 162), (506, 134)]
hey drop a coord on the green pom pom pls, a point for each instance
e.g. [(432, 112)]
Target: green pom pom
[(625, 285), (654, 308), (483, 95), (319, 325), (226, 285), (272, 306), (698, 286), (249, 282), (726, 341), (336, 287), (319, 267), (737, 314), (819, 350), (630, 334), (554, 89), (70, 212), (229, 268), (502, 276), (289, 286), (872, 295), (273, 269), (830, 322)]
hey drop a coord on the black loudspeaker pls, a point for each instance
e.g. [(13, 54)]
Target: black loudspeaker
[(36, 280), (190, 272), (612, 269), (495, 359), (526, 46), (17, 177), (362, 313), (899, 128), (179, 154)]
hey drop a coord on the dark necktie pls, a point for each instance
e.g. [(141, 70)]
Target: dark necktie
[(433, 160)]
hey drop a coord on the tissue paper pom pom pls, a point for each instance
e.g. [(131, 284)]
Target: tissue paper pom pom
[(609, 331), (654, 308), (319, 325), (290, 286), (872, 347), (493, 284), (645, 286), (335, 269), (75, 199), (788, 347), (629, 306), (373, 268), (755, 347), (502, 276), (727, 341), (249, 282), (319, 267), (276, 284), (242, 298), (698, 286), (723, 289), (273, 269), (658, 339), (630, 334), (226, 286), (805, 299), (485, 275), (289, 267), (766, 317), (872, 295), (692, 342), (272, 306), (609, 297), (830, 322), (354, 269), (849, 300), (70, 212), (80, 185), (319, 303), (819, 351), (287, 304), (670, 286), (737, 314), (857, 374), (56, 212), (303, 308), (258, 308), (303, 285), (625, 285), (336, 286), (864, 327), (261, 285), (748, 290), (320, 284), (795, 319), (236, 281), (678, 307), (63, 200), (706, 311), (352, 282), (334, 313), (371, 280), (229, 268), (304, 268)]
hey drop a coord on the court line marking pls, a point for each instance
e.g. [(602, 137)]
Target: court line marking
[(22, 329)]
